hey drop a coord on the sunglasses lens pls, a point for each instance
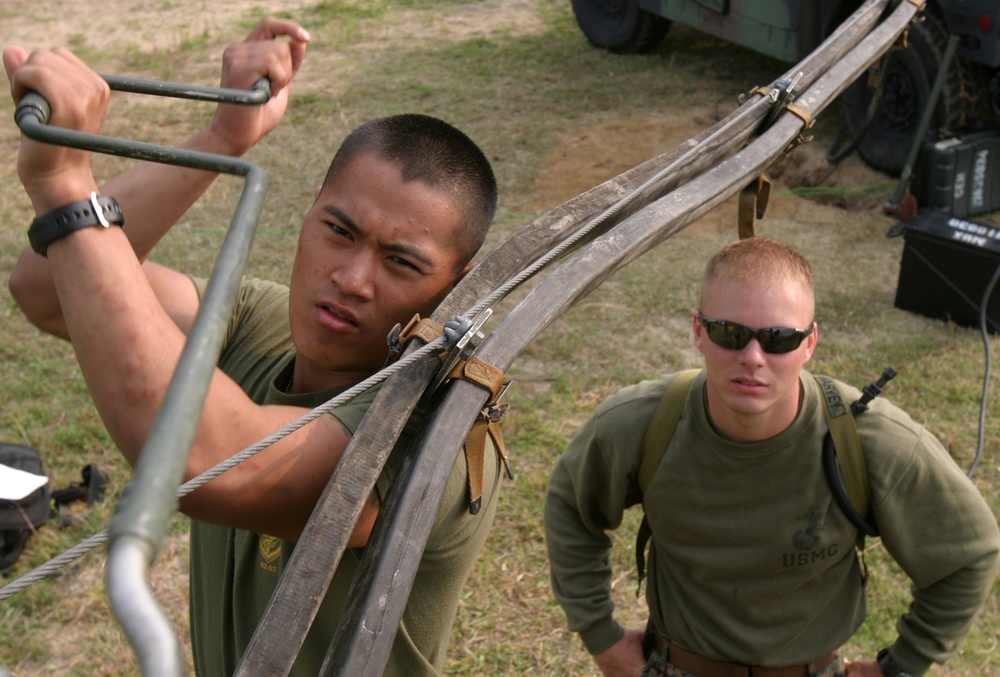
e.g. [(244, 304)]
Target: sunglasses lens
[(778, 341), (733, 336), (729, 335)]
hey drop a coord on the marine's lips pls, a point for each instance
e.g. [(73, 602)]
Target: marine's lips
[(338, 318)]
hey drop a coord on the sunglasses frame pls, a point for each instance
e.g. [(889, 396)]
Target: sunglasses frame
[(741, 334)]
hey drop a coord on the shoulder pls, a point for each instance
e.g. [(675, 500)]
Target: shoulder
[(631, 406), (252, 292), (634, 406), (351, 413), (892, 441), (633, 395), (256, 295), (257, 334), (882, 423)]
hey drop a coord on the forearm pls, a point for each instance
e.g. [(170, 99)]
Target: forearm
[(941, 615), (580, 568), (124, 342), (128, 347), (153, 197)]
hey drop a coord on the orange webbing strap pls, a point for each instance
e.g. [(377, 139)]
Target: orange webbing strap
[(424, 329), (487, 422), (753, 203), (800, 113)]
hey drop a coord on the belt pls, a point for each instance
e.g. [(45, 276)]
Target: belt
[(702, 666)]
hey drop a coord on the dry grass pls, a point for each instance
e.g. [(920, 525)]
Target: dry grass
[(556, 117)]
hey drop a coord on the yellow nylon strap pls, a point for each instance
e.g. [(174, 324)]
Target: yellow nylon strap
[(850, 457), (654, 446)]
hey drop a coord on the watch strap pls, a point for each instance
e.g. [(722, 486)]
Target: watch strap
[(98, 210)]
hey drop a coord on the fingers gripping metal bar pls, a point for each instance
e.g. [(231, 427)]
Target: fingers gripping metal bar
[(142, 517), (258, 94)]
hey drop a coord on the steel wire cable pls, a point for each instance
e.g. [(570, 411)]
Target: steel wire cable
[(984, 330), (610, 212), (51, 567)]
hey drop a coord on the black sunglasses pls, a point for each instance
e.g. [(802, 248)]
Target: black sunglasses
[(773, 340)]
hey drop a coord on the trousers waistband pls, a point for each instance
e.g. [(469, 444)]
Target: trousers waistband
[(702, 666)]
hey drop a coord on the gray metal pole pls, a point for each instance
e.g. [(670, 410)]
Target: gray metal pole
[(139, 526), (893, 204)]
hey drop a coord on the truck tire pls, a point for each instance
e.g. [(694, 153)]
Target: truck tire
[(908, 80), (619, 25)]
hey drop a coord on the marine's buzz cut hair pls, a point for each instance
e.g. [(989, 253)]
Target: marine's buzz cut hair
[(438, 154), (757, 260)]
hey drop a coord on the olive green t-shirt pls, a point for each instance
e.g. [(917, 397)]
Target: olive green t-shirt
[(234, 572)]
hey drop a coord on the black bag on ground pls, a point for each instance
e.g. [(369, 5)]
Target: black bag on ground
[(19, 519)]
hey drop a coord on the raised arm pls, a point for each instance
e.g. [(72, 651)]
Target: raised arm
[(153, 197), (127, 341)]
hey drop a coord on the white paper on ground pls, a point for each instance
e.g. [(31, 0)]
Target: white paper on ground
[(16, 484)]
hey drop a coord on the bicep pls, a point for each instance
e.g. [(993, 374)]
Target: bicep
[(176, 292), (276, 490)]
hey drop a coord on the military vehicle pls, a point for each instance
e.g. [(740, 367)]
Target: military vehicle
[(900, 85)]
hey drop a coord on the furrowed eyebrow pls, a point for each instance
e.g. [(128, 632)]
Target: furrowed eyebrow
[(342, 216), (400, 248)]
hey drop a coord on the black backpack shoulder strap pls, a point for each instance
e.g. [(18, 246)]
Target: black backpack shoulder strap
[(654, 446)]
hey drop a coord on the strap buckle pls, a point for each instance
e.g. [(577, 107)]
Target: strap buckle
[(98, 210)]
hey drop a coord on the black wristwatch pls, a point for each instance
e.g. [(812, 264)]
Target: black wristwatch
[(890, 668), (99, 210)]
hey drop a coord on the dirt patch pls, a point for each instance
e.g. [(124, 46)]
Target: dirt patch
[(154, 24), (589, 156), (148, 24)]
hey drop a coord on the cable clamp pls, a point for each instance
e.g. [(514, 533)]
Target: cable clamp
[(761, 91), (462, 337), (781, 95)]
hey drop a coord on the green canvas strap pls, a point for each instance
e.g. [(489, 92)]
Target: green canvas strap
[(654, 446), (847, 444)]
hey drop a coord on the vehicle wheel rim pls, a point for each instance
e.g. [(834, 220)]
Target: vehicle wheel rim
[(901, 101)]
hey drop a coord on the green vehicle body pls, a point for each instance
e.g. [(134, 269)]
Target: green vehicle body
[(788, 30), (784, 29)]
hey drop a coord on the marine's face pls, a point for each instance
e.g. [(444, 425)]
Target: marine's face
[(752, 394), (373, 251)]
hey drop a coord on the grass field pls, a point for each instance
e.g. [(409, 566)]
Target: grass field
[(556, 117)]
